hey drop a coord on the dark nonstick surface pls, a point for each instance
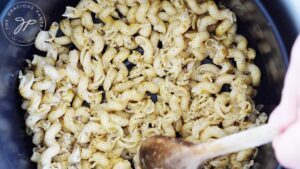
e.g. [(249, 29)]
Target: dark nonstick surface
[(271, 42)]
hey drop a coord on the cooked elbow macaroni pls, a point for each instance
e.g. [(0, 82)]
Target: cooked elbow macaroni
[(136, 74)]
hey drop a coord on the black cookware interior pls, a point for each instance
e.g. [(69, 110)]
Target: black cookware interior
[(253, 22)]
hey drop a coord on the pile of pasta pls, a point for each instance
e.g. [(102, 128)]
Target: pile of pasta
[(115, 72)]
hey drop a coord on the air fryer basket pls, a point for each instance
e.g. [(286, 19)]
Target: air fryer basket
[(253, 22)]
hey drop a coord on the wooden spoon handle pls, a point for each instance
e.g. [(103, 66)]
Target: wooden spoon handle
[(246, 139)]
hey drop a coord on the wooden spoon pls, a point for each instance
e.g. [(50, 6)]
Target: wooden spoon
[(160, 152)]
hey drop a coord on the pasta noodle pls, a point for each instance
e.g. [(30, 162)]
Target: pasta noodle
[(140, 72)]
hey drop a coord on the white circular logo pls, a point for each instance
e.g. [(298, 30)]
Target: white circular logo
[(21, 22)]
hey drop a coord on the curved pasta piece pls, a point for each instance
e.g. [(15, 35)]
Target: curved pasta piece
[(197, 8), (146, 29), (212, 132), (199, 39), (122, 164), (142, 11), (239, 58), (98, 43), (154, 39), (87, 20), (108, 56), (148, 86), (204, 22), (40, 62), (99, 75), (48, 154), (158, 24), (223, 27), (220, 104), (198, 126), (85, 61), (87, 152), (99, 159), (122, 55), (241, 42), (163, 16), (38, 136), (169, 8), (72, 12), (102, 144), (42, 85), (112, 105), (26, 82), (175, 106), (53, 147), (75, 155), (63, 40), (88, 5), (78, 37), (219, 14), (69, 122), (177, 48), (206, 87), (122, 73), (121, 87), (65, 27), (168, 129), (83, 114), (52, 72), (88, 129), (251, 54), (82, 91), (57, 112), (39, 114), (108, 81), (129, 43), (123, 122), (132, 95), (225, 79), (131, 14), (149, 107), (51, 133), (255, 74), (158, 67), (147, 47), (42, 41), (106, 18), (35, 102), (184, 24), (128, 30)]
